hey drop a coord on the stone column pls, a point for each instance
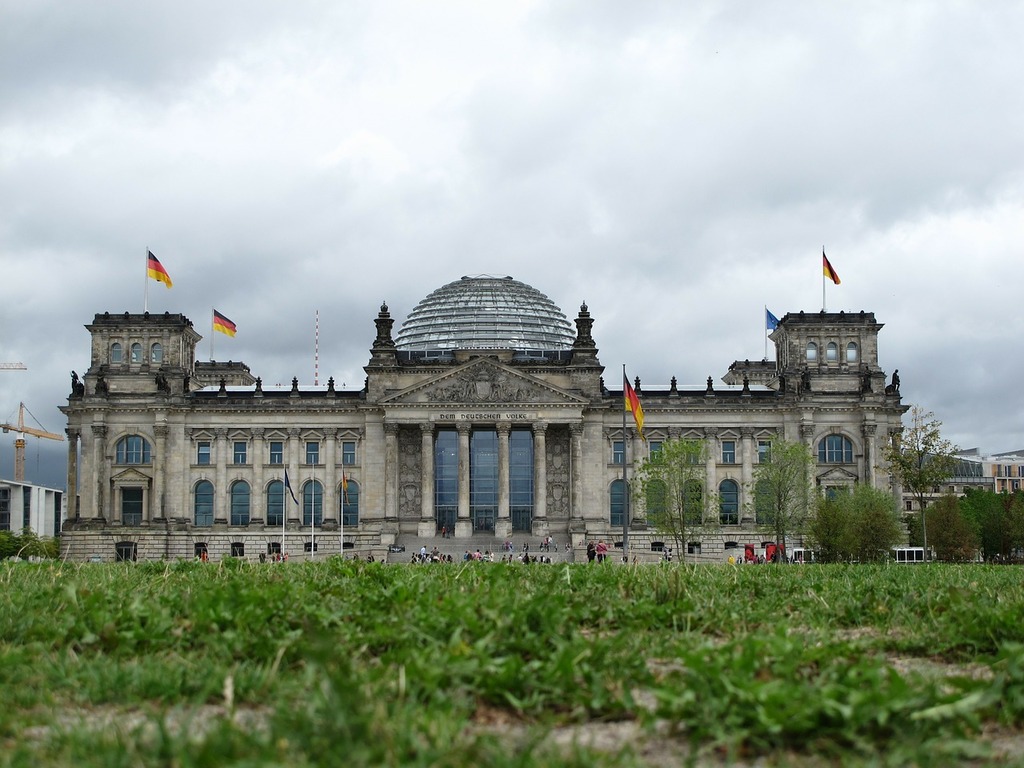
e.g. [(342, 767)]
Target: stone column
[(221, 495), (503, 524), (428, 523), (576, 507), (540, 480), (391, 472), (154, 509), (293, 511), (711, 468), (332, 512), (807, 435), (258, 496), (72, 482), (463, 526), (870, 432), (99, 472), (747, 450)]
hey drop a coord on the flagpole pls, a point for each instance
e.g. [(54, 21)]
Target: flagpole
[(766, 332), (312, 512), (625, 483), (213, 332), (823, 305), (145, 298)]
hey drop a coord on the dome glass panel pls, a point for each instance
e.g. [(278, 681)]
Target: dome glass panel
[(486, 312)]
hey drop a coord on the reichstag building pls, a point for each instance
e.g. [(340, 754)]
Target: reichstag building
[(486, 416)]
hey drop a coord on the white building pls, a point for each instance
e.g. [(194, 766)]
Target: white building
[(23, 505)]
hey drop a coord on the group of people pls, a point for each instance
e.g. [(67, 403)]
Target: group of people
[(598, 551)]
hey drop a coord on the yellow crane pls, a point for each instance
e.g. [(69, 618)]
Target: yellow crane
[(19, 442)]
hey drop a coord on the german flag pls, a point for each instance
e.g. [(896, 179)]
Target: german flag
[(156, 270), (633, 404), (827, 268), (222, 324)]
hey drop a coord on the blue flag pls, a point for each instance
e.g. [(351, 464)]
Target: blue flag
[(289, 487), (771, 321)]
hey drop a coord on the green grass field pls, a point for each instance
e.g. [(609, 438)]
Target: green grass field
[(347, 663)]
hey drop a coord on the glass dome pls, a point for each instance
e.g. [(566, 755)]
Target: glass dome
[(485, 312)]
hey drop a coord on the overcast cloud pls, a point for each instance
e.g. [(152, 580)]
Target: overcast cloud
[(677, 166)]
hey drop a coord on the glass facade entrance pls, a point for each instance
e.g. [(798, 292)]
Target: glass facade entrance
[(446, 479), (483, 479), (520, 478), (484, 490)]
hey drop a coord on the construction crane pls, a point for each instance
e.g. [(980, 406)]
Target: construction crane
[(19, 442), (12, 367)]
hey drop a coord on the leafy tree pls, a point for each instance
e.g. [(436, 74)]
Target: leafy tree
[(27, 544), (998, 519), (861, 525), (921, 460), (783, 489), (671, 486), (876, 523), (8, 544), (953, 536), (829, 529)]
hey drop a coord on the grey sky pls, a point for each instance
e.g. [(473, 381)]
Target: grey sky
[(678, 166)]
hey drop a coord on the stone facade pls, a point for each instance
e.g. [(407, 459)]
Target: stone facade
[(169, 457)]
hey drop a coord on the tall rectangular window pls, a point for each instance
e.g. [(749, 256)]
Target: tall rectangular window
[(276, 452), (618, 452), (5, 509), (483, 478), (728, 451), (520, 479), (446, 478), (654, 448), (241, 452), (131, 506), (313, 452), (764, 451), (348, 452), (203, 452)]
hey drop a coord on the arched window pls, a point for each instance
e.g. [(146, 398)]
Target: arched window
[(275, 503), (729, 502), (812, 351), (240, 503), (313, 503), (832, 352), (852, 352), (203, 503), (656, 500), (617, 502), (136, 353), (835, 449), (348, 495), (763, 503), (693, 502), (156, 353), (116, 353), (132, 449)]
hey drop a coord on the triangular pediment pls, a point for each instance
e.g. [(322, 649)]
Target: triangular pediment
[(480, 382), (130, 475), (837, 475)]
